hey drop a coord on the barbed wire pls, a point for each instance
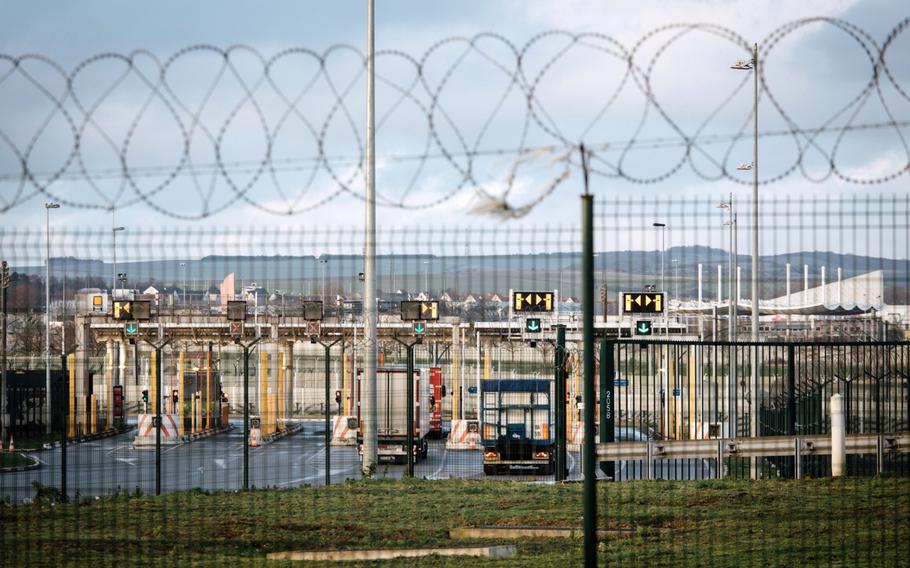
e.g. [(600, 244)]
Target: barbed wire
[(207, 128)]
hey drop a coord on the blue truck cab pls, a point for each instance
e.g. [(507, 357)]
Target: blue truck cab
[(518, 432)]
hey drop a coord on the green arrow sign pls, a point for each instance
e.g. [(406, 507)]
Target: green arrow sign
[(532, 325), (131, 329), (419, 328), (643, 327)]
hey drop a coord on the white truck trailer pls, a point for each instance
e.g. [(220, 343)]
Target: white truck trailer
[(392, 409)]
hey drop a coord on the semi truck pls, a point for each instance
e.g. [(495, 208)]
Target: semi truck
[(391, 412), (517, 426)]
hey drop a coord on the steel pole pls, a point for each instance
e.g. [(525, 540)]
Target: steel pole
[(756, 293), (731, 326), (4, 415), (328, 425), (246, 417), (370, 441), (47, 318), (410, 412), (157, 421), (590, 495), (560, 402), (64, 406)]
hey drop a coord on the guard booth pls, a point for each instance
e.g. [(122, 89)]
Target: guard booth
[(27, 395)]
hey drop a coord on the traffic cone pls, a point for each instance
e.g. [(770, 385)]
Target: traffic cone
[(12, 448)]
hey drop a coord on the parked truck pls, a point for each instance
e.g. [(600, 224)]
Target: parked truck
[(517, 426), (391, 412)]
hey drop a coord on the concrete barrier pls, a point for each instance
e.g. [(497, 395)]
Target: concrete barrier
[(344, 431), (463, 435), (145, 431)]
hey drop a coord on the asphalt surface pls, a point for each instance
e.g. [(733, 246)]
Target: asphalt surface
[(105, 466)]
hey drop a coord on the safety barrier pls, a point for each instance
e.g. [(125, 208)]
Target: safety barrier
[(464, 435), (145, 432), (344, 431)]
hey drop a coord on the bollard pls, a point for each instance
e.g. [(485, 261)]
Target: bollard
[(838, 437)]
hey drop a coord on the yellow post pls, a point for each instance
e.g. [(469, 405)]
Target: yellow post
[(455, 401), (107, 387), (280, 384), (381, 358), (94, 415), (207, 407), (344, 381), (71, 427), (263, 382), (153, 384), (86, 412), (486, 366), (181, 370), (274, 412)]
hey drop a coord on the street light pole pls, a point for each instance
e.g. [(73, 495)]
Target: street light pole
[(426, 277), (323, 261), (370, 440), (47, 314), (756, 295), (183, 268), (663, 246), (114, 231)]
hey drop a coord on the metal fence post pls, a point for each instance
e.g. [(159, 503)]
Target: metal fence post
[(157, 421), (246, 417), (587, 263), (328, 410), (410, 413), (560, 403), (791, 398), (65, 410), (607, 416)]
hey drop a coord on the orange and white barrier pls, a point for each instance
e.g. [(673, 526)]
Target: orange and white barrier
[(145, 433), (464, 435), (576, 437), (342, 432)]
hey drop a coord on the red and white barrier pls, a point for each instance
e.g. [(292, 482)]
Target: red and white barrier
[(463, 435), (145, 433), (255, 437), (343, 434)]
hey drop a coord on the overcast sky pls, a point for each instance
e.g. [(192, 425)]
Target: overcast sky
[(582, 93)]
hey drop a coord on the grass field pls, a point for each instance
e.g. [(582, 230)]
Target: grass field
[(846, 522)]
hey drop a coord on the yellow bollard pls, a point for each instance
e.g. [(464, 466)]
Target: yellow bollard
[(71, 427), (280, 385), (181, 416), (344, 381), (108, 383), (455, 393), (263, 381), (207, 402), (94, 415)]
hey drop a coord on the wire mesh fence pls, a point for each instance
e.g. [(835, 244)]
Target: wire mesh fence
[(490, 387)]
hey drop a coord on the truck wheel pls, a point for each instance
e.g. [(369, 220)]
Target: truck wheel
[(489, 470)]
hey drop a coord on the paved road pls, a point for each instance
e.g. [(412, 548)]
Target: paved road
[(103, 466)]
